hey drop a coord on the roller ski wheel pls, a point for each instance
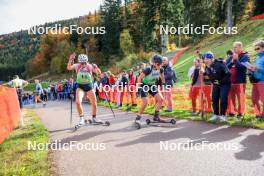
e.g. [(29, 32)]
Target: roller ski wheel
[(173, 121), (151, 121), (137, 124), (78, 126), (105, 123)]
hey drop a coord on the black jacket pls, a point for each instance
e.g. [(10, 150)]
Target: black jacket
[(169, 74), (218, 71)]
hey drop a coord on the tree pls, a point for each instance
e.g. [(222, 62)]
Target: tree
[(126, 43), (229, 13), (111, 20)]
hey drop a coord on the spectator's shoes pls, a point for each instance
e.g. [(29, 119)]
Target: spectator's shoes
[(168, 110), (214, 118), (231, 115), (239, 116), (195, 113), (222, 118)]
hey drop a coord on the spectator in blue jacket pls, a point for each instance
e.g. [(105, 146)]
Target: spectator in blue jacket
[(236, 65), (170, 79), (258, 86)]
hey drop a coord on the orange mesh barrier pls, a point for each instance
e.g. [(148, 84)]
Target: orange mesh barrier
[(9, 111)]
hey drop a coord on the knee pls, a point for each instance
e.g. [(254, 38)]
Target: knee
[(78, 103), (160, 99)]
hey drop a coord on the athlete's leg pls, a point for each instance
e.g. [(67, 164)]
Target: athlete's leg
[(79, 97), (143, 105), (91, 96), (158, 99)]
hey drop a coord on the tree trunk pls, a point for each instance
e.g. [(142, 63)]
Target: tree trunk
[(229, 15)]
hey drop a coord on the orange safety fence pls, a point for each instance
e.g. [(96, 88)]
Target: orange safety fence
[(178, 55), (9, 111), (243, 98)]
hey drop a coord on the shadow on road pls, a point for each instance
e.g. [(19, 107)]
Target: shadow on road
[(253, 146)]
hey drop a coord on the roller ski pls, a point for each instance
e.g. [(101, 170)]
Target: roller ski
[(81, 123), (157, 120), (95, 121), (160, 120)]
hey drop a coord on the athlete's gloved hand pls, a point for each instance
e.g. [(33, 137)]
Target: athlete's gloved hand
[(72, 57)]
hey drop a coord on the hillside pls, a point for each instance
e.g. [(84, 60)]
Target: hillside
[(18, 47), (248, 32)]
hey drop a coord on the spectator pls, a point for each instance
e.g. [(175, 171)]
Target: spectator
[(18, 84), (238, 79), (258, 85), (38, 91), (132, 87), (220, 78), (123, 87), (170, 79), (195, 75)]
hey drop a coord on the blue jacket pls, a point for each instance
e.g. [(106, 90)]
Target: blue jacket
[(241, 70), (260, 64), (169, 74)]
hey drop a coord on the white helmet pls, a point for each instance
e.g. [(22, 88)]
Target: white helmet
[(82, 58)]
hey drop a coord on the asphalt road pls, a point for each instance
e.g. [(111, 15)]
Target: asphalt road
[(122, 150)]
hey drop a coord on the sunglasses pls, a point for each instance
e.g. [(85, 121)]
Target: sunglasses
[(257, 49)]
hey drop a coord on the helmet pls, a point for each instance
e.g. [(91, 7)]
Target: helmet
[(157, 59), (208, 55), (82, 58)]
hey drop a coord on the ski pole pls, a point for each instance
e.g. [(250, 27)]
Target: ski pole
[(71, 110), (109, 104)]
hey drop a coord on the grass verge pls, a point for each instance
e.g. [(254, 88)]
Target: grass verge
[(16, 159), (248, 121)]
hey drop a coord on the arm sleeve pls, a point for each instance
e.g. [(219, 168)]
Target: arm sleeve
[(239, 64), (229, 63), (226, 73)]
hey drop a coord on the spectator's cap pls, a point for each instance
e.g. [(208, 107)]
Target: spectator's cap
[(208, 55)]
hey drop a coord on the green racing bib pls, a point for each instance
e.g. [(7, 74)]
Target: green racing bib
[(84, 77), (151, 78)]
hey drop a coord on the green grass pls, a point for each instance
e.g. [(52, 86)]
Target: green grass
[(247, 121), (248, 32), (16, 159)]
